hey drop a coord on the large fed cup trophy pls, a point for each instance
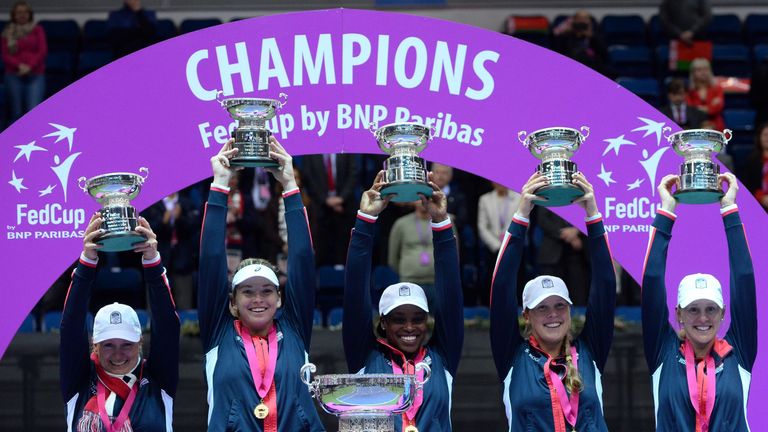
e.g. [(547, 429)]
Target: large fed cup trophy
[(405, 171), (365, 403), (251, 134), (698, 174), (114, 191), (555, 146)]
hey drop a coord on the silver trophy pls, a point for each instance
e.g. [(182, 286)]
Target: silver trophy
[(364, 403), (114, 191), (555, 146), (405, 171), (251, 134), (698, 174)]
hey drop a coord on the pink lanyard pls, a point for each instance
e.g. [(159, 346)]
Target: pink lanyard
[(701, 388), (262, 383), (123, 416), (570, 407), (410, 369)]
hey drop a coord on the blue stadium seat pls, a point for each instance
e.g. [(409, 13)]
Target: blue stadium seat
[(629, 313), (631, 61), (656, 35), (756, 29), (742, 123), (335, 318), (731, 60), (330, 288), (474, 313), (661, 63), (725, 29), (623, 30), (29, 325), (92, 60), (61, 35), (166, 29), (190, 25), (188, 316), (95, 35), (646, 88), (760, 53), (384, 276), (143, 319), (737, 101), (52, 322), (317, 319), (330, 277), (59, 71), (578, 311)]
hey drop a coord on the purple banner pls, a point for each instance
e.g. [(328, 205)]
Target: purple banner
[(343, 69)]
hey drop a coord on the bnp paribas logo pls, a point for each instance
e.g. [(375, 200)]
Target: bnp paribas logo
[(632, 188), (40, 178)]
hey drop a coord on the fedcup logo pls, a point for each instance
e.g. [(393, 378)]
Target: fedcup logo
[(405, 291), (547, 283), (39, 176), (115, 318), (628, 205)]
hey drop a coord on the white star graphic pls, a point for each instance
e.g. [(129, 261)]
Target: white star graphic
[(636, 184), (615, 144), (651, 127), (605, 176), (26, 150), (47, 191), (16, 182), (63, 132)]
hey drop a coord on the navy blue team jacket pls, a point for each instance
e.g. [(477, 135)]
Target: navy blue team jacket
[(231, 392), (364, 354), (152, 409), (666, 362), (521, 367)]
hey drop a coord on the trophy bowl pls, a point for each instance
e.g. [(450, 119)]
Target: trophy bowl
[(698, 174), (114, 191), (555, 146), (364, 402), (251, 134), (405, 171)]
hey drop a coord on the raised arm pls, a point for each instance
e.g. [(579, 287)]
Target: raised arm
[(601, 305), (743, 330), (448, 302), (213, 286), (655, 313), (505, 332), (74, 346), (302, 284), (357, 332)]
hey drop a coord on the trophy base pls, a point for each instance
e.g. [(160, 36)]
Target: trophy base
[(698, 196), (366, 423), (558, 196), (254, 162), (407, 191), (119, 242)]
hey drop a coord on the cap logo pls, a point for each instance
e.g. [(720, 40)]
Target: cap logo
[(257, 268), (115, 318), (547, 283), (701, 283), (405, 291)]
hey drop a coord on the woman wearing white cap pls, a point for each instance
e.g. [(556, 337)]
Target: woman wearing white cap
[(560, 373), (401, 338), (110, 385), (700, 382), (253, 356)]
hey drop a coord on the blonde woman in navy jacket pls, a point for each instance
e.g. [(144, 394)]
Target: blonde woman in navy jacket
[(551, 379), (700, 382)]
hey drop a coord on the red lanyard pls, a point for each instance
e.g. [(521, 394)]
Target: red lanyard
[(101, 396), (562, 406), (701, 386)]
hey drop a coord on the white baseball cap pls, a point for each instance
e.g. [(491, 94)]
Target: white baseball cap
[(699, 286), (116, 321), (254, 270), (538, 289), (403, 293)]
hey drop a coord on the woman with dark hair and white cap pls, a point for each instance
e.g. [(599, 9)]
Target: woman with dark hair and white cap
[(252, 355), (110, 385), (700, 382), (402, 335), (560, 373)]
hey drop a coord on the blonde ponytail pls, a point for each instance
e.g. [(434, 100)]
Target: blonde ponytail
[(573, 380)]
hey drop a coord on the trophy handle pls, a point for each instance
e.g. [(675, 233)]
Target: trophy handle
[(728, 134), (144, 170), (521, 137), (81, 183), (432, 132), (306, 373), (584, 131), (427, 374), (218, 97), (284, 100), (665, 131), (372, 127)]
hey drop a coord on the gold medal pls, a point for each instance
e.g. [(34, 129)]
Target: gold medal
[(411, 428), (261, 411)]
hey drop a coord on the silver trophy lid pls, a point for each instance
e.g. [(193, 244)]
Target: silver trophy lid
[(554, 139), (105, 186), (413, 135), (697, 140)]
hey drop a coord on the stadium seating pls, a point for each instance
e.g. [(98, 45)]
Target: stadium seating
[(631, 61), (623, 30), (166, 29), (724, 29), (91, 60), (29, 325), (190, 25), (95, 35), (61, 35), (731, 60), (742, 123), (52, 321), (646, 88), (335, 318), (143, 319), (756, 29)]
